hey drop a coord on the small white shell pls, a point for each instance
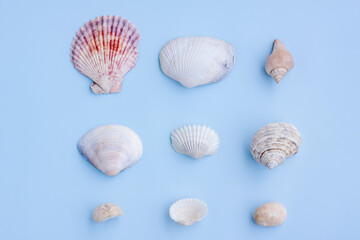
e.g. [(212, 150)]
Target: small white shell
[(111, 148), (270, 214), (195, 61), (274, 142), (106, 211), (196, 141), (188, 211)]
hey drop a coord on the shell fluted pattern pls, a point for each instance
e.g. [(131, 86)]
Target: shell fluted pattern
[(196, 141), (275, 142), (105, 49), (188, 211), (111, 148), (195, 61)]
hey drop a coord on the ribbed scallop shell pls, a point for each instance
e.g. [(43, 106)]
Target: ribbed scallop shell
[(188, 211), (111, 148), (275, 142), (196, 141), (195, 61), (105, 49)]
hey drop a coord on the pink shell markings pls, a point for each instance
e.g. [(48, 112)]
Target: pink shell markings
[(105, 49)]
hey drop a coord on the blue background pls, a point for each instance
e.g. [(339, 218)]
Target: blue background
[(48, 190)]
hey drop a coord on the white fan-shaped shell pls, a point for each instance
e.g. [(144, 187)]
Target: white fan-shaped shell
[(111, 148), (188, 211), (274, 142), (196, 141), (105, 49), (195, 61)]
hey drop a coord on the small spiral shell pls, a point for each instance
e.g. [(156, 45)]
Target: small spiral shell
[(274, 142)]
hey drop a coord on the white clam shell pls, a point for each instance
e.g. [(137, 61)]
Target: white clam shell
[(111, 148), (275, 142), (195, 61), (196, 141), (270, 214), (106, 211), (188, 211)]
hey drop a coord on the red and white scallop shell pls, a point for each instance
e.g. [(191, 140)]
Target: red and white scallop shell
[(105, 49)]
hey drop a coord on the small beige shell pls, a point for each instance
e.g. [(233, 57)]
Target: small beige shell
[(279, 62), (270, 214), (275, 142), (106, 211)]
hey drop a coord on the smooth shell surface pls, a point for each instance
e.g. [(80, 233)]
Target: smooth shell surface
[(188, 211), (275, 142), (195, 61), (270, 214), (105, 49), (106, 211), (196, 141), (111, 148), (279, 62)]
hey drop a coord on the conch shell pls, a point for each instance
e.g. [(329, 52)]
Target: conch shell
[(274, 142), (106, 211), (270, 214), (279, 62), (111, 148)]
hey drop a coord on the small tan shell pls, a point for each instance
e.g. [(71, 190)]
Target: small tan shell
[(275, 142), (106, 211), (270, 214), (279, 62)]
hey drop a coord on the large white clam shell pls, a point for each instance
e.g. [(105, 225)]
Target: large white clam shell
[(196, 141), (111, 148), (105, 49), (188, 211), (275, 142), (195, 61)]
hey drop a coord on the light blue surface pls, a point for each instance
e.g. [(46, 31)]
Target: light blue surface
[(48, 190)]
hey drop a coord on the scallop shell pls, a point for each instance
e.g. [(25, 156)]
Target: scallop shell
[(196, 141), (105, 49), (274, 142), (111, 148), (195, 61), (270, 214), (188, 211), (279, 62), (106, 211)]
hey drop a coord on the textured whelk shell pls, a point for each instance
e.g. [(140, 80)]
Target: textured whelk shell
[(188, 211), (279, 62), (106, 211), (105, 49), (274, 142), (270, 214), (195, 61), (196, 141), (111, 148)]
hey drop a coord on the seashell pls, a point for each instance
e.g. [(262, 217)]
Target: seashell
[(196, 141), (279, 62), (105, 49), (111, 148), (188, 211), (270, 214), (274, 142), (195, 61), (106, 211)]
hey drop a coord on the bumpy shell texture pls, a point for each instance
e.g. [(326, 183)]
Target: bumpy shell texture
[(105, 49), (279, 62), (188, 211), (275, 142), (195, 141), (270, 214), (195, 61), (111, 148), (106, 211)]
